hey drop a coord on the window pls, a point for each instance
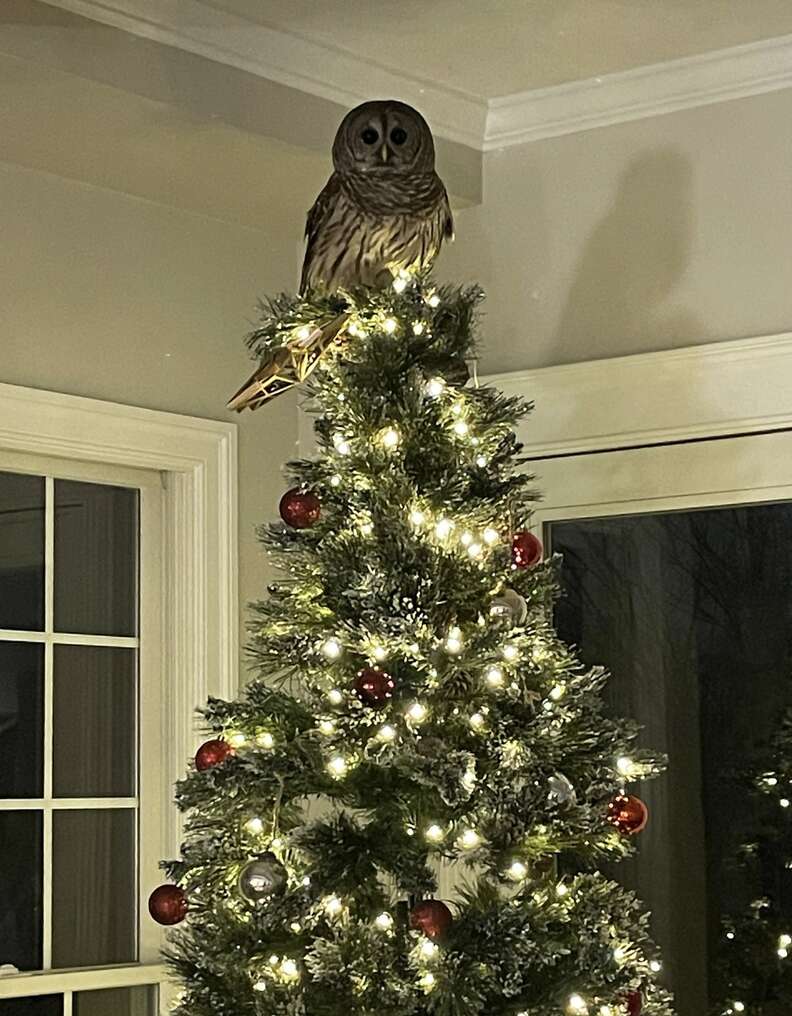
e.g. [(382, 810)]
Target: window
[(80, 793)]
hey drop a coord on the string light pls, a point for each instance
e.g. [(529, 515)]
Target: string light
[(443, 528), (469, 839), (625, 766), (337, 766), (332, 649), (341, 444), (577, 1005), (490, 536), (260, 986), (434, 300), (475, 550), (510, 652), (304, 333), (428, 981), (477, 721), (784, 802), (517, 871), (481, 461), (254, 826), (333, 906), (435, 387), (494, 677), (380, 653), (417, 517), (384, 922), (288, 969), (655, 966), (454, 641), (386, 733), (562, 889), (418, 327), (461, 428), (557, 693), (335, 480), (389, 438), (434, 833), (296, 927), (327, 727), (416, 712), (428, 949), (389, 325), (619, 954), (335, 696), (466, 538), (264, 739), (400, 283)]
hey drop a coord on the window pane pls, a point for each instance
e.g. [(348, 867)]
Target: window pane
[(95, 558), (140, 1001), (95, 693), (21, 719), (93, 891), (20, 889), (21, 552), (42, 1005), (692, 612)]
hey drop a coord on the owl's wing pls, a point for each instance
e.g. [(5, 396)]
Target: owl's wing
[(314, 222), (448, 218)]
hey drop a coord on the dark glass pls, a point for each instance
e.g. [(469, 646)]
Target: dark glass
[(21, 719), (96, 558), (692, 613), (20, 889), (93, 892), (21, 552), (138, 1001), (40, 1005), (95, 695)]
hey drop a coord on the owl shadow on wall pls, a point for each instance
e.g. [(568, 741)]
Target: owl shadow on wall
[(622, 294)]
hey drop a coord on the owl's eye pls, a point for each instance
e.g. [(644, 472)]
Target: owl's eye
[(370, 136), (398, 135)]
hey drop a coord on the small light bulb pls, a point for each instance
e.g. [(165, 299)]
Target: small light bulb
[(655, 966), (335, 480), (260, 986), (782, 954), (785, 941), (390, 438), (577, 1005), (236, 739), (771, 781), (264, 739), (296, 927), (417, 517), (418, 327), (366, 528), (434, 833), (562, 889), (400, 283), (475, 550), (335, 696), (333, 906), (557, 692), (289, 969), (619, 954), (435, 387), (304, 333), (416, 712), (469, 839), (428, 949), (254, 826), (510, 652), (517, 870), (784, 802), (625, 765), (491, 536), (274, 960), (443, 528), (341, 444), (337, 766), (739, 1007), (434, 300), (384, 921), (327, 727), (332, 649), (477, 721), (386, 733), (453, 642), (390, 325), (466, 538), (461, 428), (605, 1010), (481, 461), (380, 653), (428, 981), (495, 677)]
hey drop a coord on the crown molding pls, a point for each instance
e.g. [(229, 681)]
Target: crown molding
[(485, 125), (718, 76)]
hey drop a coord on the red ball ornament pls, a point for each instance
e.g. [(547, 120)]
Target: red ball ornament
[(373, 687), (299, 508), (634, 1003), (168, 904), (432, 917), (628, 814), (526, 550), (212, 753)]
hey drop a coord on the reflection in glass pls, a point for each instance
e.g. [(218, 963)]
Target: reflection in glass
[(41, 1005), (21, 552), (692, 612), (139, 1001), (20, 889), (96, 529), (95, 690), (93, 891), (21, 719)]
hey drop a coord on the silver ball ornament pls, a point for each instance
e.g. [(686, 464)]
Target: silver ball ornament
[(509, 608), (262, 878)]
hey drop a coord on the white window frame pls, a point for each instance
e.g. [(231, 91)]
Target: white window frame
[(196, 629)]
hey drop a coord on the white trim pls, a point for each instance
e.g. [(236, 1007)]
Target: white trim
[(198, 462), (715, 390), (89, 979), (345, 78), (718, 76)]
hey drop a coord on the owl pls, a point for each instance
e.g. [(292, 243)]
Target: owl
[(384, 210)]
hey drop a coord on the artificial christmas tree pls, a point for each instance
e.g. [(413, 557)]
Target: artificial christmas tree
[(413, 708)]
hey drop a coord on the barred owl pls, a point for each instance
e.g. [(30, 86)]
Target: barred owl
[(384, 209)]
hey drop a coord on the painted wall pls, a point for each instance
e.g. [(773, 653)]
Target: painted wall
[(664, 232), (114, 297)]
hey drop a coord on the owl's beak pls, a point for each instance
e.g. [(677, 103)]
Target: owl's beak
[(384, 153)]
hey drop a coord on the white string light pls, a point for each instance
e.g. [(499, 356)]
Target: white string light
[(384, 922), (326, 727), (386, 733), (254, 826), (390, 325), (332, 649), (416, 712), (336, 696), (435, 387), (495, 677), (337, 766), (264, 739)]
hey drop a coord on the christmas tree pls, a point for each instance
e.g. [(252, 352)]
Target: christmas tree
[(413, 709), (756, 951)]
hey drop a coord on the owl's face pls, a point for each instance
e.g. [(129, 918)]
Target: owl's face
[(383, 137)]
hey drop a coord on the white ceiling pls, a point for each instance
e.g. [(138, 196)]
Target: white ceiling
[(492, 48)]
